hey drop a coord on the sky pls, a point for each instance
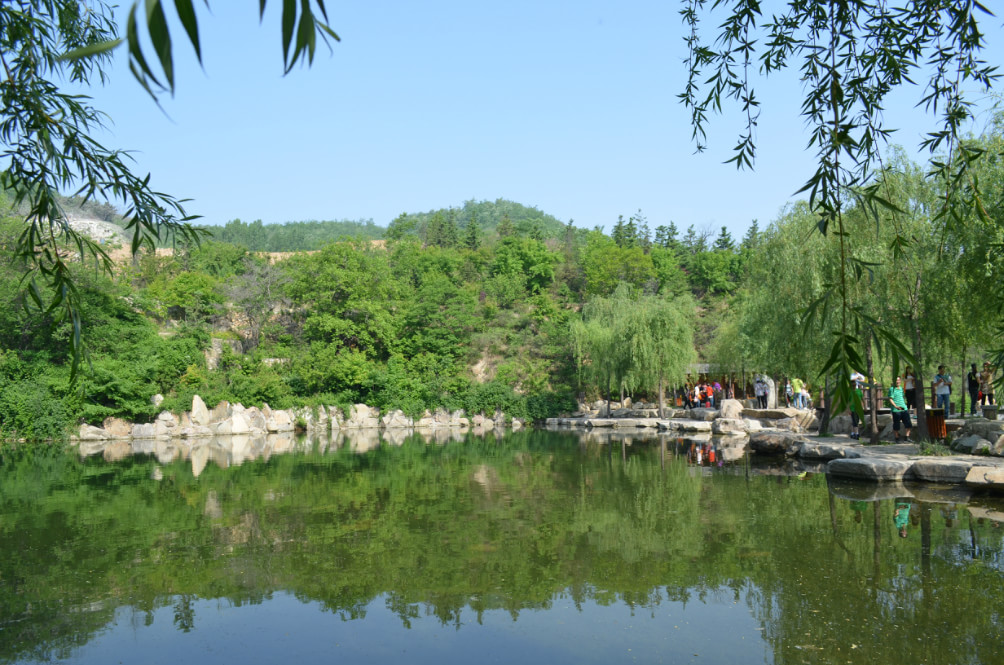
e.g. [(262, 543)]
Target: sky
[(570, 107)]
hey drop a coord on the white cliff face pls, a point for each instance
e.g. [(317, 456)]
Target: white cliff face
[(101, 232)]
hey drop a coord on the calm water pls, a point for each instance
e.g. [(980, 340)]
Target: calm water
[(538, 548)]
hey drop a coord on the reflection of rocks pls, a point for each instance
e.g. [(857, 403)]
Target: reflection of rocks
[(212, 509), (117, 450), (396, 436), (362, 440)]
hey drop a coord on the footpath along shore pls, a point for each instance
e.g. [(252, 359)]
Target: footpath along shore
[(793, 433)]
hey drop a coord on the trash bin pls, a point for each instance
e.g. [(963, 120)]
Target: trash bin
[(990, 412), (936, 423)]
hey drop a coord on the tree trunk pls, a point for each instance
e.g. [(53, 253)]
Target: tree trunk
[(662, 398), (965, 386), (922, 433), (873, 403), (824, 420)]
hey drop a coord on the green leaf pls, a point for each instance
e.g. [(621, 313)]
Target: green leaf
[(91, 50), (186, 12)]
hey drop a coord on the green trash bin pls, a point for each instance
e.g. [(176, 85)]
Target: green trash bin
[(990, 412)]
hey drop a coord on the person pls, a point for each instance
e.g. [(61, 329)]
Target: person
[(789, 393), (900, 412), (760, 390), (901, 517), (943, 390), (716, 394), (910, 387), (806, 396), (796, 385), (987, 384), (973, 384), (858, 383)]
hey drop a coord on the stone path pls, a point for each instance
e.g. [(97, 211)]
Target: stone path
[(850, 458)]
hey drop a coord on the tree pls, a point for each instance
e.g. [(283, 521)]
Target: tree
[(46, 133), (851, 56)]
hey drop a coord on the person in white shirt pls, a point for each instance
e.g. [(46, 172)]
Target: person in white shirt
[(943, 389)]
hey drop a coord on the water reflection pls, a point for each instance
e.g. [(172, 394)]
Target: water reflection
[(552, 547)]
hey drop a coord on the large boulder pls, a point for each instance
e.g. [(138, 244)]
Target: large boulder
[(220, 412), (200, 414), (776, 443), (362, 416), (942, 470), (840, 424), (235, 424), (827, 451), (731, 408), (703, 414), (728, 426), (991, 477), (279, 422), (871, 468), (117, 427), (396, 419), (971, 444), (92, 433)]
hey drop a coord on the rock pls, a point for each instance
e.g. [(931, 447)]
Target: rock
[(235, 424), (397, 419), (789, 424), (256, 419), (92, 433), (168, 419), (703, 414), (219, 413), (362, 417), (731, 409), (117, 427), (459, 419), (827, 451), (776, 443), (144, 431), (752, 425), (870, 468), (970, 443), (200, 414), (986, 476), (279, 422), (840, 424), (728, 425), (937, 470), (773, 414)]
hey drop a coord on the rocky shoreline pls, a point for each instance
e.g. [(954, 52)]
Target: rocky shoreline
[(230, 433)]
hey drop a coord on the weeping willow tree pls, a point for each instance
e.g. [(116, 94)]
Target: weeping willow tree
[(852, 57), (635, 342)]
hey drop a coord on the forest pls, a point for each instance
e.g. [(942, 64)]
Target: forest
[(495, 305)]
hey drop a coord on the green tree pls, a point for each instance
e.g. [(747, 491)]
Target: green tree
[(852, 56), (47, 133)]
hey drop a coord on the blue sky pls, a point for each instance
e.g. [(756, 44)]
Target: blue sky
[(567, 106)]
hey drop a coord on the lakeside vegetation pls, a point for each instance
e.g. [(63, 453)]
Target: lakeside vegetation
[(496, 305)]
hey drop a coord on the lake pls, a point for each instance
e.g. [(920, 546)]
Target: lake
[(533, 547)]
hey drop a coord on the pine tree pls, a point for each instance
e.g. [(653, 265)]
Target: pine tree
[(472, 235)]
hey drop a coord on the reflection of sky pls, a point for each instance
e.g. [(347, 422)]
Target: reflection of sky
[(285, 630)]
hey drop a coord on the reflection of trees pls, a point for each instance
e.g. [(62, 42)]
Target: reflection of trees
[(445, 531)]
